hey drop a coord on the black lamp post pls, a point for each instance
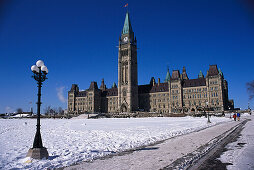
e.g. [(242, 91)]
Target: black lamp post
[(208, 120), (229, 111), (38, 151)]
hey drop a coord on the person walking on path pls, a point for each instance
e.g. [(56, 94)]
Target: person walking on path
[(238, 116), (234, 116)]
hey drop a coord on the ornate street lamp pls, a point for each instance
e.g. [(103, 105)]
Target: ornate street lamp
[(38, 151)]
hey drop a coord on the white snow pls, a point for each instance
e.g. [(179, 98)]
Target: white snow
[(73, 140), (240, 153)]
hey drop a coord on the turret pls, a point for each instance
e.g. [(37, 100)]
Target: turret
[(103, 86), (114, 85), (167, 79), (200, 75), (184, 75)]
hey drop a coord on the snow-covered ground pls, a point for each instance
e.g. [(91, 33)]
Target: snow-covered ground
[(73, 140), (241, 153)]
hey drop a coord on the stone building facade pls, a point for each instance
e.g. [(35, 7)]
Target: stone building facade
[(176, 94)]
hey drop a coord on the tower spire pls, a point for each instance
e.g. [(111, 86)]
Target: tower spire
[(127, 29)]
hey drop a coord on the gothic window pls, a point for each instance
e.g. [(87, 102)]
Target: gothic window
[(122, 74), (124, 93), (126, 73), (124, 52)]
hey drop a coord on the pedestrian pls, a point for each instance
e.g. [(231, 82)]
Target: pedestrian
[(238, 116), (234, 116)]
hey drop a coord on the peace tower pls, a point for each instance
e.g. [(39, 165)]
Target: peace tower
[(127, 69)]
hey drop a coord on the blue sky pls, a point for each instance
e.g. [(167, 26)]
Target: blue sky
[(77, 41)]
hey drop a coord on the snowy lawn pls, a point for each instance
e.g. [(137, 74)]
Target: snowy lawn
[(73, 140)]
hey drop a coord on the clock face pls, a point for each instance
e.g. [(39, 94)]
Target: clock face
[(125, 39)]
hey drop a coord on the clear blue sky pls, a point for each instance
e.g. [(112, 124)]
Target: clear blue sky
[(77, 41)]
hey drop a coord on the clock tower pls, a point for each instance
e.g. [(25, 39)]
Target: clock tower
[(127, 69)]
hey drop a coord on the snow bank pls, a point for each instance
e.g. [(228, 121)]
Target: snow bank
[(73, 140)]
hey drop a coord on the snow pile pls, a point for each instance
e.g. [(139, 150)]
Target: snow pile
[(73, 140)]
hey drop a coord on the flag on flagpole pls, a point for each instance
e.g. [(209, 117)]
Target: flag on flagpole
[(125, 5)]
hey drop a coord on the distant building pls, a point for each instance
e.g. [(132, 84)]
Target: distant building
[(176, 94)]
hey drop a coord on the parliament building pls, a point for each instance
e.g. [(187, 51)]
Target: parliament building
[(176, 94)]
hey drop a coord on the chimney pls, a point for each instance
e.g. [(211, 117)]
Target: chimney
[(159, 80), (153, 82)]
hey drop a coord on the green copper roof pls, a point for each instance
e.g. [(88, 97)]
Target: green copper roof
[(127, 25), (167, 77), (200, 75), (114, 85), (220, 72)]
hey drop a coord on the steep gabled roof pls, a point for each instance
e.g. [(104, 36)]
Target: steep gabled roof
[(82, 94), (194, 82), (213, 70), (74, 87), (148, 88), (110, 92), (175, 75), (93, 85)]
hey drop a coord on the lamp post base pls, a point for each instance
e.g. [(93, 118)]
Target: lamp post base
[(38, 153)]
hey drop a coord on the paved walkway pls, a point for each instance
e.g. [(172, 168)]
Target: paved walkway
[(240, 153), (160, 155)]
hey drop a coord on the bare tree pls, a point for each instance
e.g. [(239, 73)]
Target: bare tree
[(47, 110), (19, 110), (250, 89), (53, 111), (60, 111)]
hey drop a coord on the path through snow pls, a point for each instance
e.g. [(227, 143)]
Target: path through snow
[(241, 152)]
